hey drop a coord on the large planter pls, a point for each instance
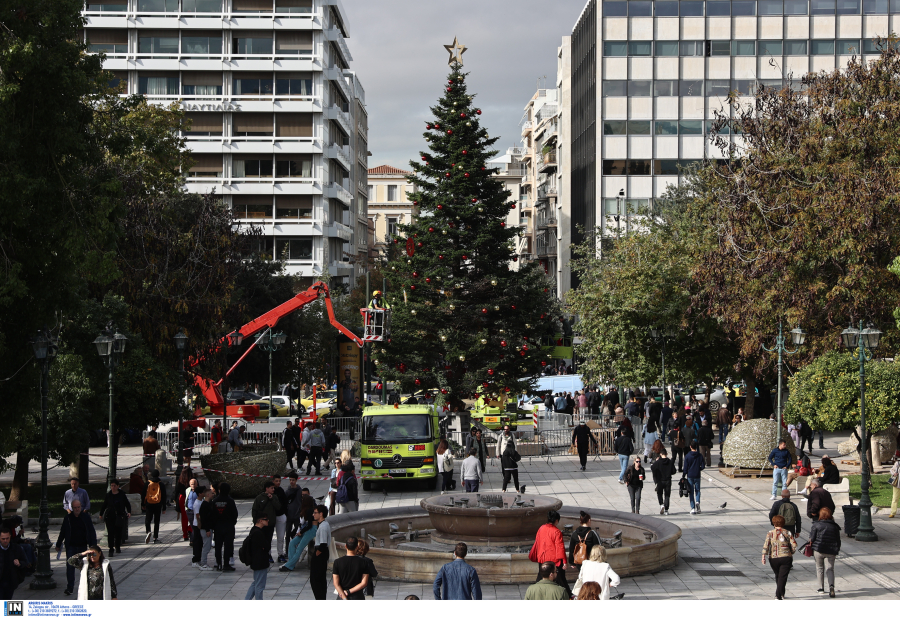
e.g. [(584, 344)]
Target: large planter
[(261, 460)]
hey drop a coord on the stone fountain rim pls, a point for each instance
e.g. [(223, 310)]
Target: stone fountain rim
[(555, 504)]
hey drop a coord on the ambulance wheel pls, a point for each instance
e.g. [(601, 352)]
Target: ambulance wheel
[(367, 485)]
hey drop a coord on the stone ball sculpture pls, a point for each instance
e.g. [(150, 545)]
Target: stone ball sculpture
[(749, 443)]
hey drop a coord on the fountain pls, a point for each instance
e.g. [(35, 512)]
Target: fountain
[(412, 543)]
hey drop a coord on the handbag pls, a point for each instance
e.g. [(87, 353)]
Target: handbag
[(580, 554), (808, 550)]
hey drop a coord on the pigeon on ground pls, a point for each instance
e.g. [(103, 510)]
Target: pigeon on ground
[(523, 489), (737, 488), (724, 504)]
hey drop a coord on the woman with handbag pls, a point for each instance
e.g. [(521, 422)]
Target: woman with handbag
[(634, 481), (825, 541), (583, 540), (597, 569), (780, 546), (445, 466)]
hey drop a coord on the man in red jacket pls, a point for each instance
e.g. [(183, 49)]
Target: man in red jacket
[(549, 547)]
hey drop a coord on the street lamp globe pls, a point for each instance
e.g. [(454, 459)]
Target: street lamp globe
[(654, 332), (119, 343), (850, 337), (798, 336), (104, 345), (871, 336), (280, 338), (41, 346), (180, 340), (235, 338)]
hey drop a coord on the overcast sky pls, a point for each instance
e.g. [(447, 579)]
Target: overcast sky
[(398, 53)]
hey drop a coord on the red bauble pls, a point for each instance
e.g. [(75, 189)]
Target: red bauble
[(465, 152), (512, 206), (443, 391), (431, 229), (502, 356), (440, 257), (447, 174), (484, 310), (465, 257), (450, 81), (478, 111), (546, 290), (437, 126), (543, 363), (522, 353), (515, 259), (483, 168), (466, 174), (526, 339), (525, 347), (449, 89), (415, 203), (427, 279), (490, 372), (506, 390), (503, 344), (412, 287), (415, 274), (463, 115), (418, 382), (453, 165), (542, 315), (424, 158), (395, 241), (428, 126), (420, 244), (502, 224), (440, 207), (513, 307), (474, 200), (449, 131)]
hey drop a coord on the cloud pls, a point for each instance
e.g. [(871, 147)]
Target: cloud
[(398, 53)]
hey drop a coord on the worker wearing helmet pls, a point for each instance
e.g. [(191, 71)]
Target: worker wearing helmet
[(378, 301), (377, 317)]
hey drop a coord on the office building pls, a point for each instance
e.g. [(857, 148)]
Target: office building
[(389, 204), (279, 119)]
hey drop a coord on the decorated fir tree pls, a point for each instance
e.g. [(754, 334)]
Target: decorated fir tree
[(463, 318)]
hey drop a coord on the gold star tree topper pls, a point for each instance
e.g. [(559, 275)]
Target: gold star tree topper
[(456, 51)]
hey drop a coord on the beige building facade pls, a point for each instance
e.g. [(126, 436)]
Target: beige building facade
[(389, 204)]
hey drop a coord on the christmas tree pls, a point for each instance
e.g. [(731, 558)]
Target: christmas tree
[(462, 319)]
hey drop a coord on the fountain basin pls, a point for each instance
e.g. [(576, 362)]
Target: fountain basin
[(650, 544), (495, 520)]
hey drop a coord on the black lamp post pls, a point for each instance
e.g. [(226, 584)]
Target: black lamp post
[(270, 342), (111, 347), (180, 344), (45, 347), (660, 338), (863, 340), (798, 336)]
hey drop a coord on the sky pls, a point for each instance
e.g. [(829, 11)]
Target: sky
[(398, 53)]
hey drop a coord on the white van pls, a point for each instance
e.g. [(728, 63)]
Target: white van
[(558, 384)]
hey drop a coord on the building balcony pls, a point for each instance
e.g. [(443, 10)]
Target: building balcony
[(362, 130), (341, 155), (338, 268), (547, 162), (336, 75), (546, 191), (527, 126), (527, 179), (335, 36), (546, 249), (547, 222), (343, 118), (338, 230), (336, 191)]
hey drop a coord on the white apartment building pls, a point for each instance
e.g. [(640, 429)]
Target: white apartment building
[(279, 119), (510, 171), (646, 76), (389, 204)]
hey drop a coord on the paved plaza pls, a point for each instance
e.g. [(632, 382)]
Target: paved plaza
[(719, 552)]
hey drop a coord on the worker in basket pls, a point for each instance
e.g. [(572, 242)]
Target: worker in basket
[(376, 318)]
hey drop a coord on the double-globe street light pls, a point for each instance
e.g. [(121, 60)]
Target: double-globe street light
[(180, 344), (798, 336), (111, 347), (45, 346), (270, 342), (660, 338), (863, 340)]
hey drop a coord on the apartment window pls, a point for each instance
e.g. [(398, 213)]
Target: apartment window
[(821, 7), (822, 48), (640, 88), (391, 227), (297, 248), (201, 6), (252, 125), (718, 87), (251, 168), (743, 7), (158, 43), (639, 127), (293, 6), (249, 43), (640, 8), (206, 166), (895, 6), (256, 207), (795, 48), (770, 48), (615, 9), (718, 8), (719, 48), (691, 88), (743, 48), (640, 48), (201, 84), (665, 167), (770, 7), (371, 193), (666, 127), (870, 47), (158, 85), (250, 84), (293, 166), (665, 88), (666, 48), (639, 167), (293, 125), (744, 86), (294, 84), (615, 167), (772, 84), (262, 246), (251, 6), (615, 127), (796, 7), (690, 127), (392, 193), (666, 8), (108, 7), (847, 7), (615, 88), (201, 43), (692, 9), (293, 207), (118, 81), (158, 6), (294, 43), (615, 48), (847, 46), (204, 124), (108, 41), (691, 48)]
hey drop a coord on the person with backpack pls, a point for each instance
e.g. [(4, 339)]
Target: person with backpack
[(254, 553), (266, 504), (583, 540), (509, 464), (225, 519), (445, 466), (788, 511), (624, 447), (115, 512), (663, 469), (154, 502), (347, 494)]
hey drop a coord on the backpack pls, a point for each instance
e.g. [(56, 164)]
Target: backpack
[(786, 511), (343, 493), (154, 494), (244, 552)]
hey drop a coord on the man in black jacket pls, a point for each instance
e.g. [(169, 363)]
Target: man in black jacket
[(663, 469), (257, 546), (289, 443), (12, 559), (705, 439), (777, 510), (226, 518), (77, 533), (580, 437), (818, 497), (280, 518)]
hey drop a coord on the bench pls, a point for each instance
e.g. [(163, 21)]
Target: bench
[(840, 493)]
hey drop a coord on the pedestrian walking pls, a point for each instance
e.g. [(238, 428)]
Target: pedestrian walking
[(547, 587), (895, 487), (509, 459), (705, 439), (350, 573), (77, 534), (204, 524), (362, 550), (318, 570), (316, 449), (582, 406), (347, 494), (663, 469), (723, 420), (779, 547), (12, 562), (154, 503), (693, 466), (289, 443), (548, 547), (280, 519), (780, 459), (332, 443), (457, 580), (97, 582), (676, 437), (471, 472), (584, 538), (788, 511), (76, 492), (185, 494), (825, 539), (634, 481), (624, 447), (445, 466), (266, 504), (596, 570), (818, 498), (225, 520), (581, 438), (254, 553), (235, 438), (475, 441), (115, 512)]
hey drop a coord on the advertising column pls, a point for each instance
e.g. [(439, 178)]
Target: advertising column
[(349, 390)]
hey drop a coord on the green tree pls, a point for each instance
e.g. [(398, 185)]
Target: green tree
[(462, 315)]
